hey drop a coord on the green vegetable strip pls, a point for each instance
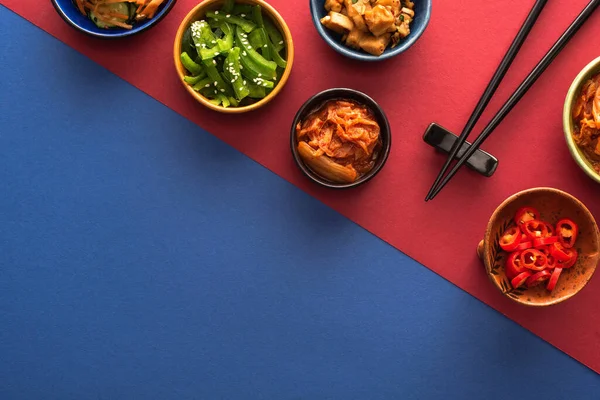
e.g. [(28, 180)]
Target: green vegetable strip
[(274, 35), (232, 68), (190, 65), (256, 92), (246, 25), (202, 84), (233, 101), (228, 6), (217, 79), (192, 80), (205, 40), (265, 67), (187, 44), (227, 43), (202, 36), (257, 15), (209, 54), (249, 69), (239, 9), (216, 102), (256, 39), (269, 51), (224, 100), (267, 48), (275, 56)]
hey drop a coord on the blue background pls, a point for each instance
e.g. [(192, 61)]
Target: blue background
[(142, 258)]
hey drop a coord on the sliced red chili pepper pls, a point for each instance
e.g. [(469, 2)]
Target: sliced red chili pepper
[(550, 262), (571, 261), (538, 278), (525, 214), (534, 260), (550, 229), (510, 239), (554, 279), (559, 252), (567, 231), (545, 241), (520, 279), (524, 238), (513, 265), (524, 246), (535, 229)]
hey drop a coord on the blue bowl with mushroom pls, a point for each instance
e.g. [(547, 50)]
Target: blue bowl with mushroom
[(69, 12), (363, 29)]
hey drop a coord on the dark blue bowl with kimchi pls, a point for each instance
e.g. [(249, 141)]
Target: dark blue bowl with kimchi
[(109, 20), (340, 138)]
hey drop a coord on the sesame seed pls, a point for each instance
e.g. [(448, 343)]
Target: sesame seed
[(265, 46), (217, 53), (215, 83), (245, 83), (215, 62), (281, 42), (244, 53), (242, 15), (227, 16), (207, 85), (259, 75), (217, 12), (222, 90)]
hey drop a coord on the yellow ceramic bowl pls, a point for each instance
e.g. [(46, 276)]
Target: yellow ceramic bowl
[(590, 70), (198, 13)]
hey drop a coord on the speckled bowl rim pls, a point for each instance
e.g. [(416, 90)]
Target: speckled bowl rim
[(587, 72), (489, 230), (285, 31)]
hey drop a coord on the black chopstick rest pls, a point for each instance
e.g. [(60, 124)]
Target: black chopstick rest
[(442, 139)]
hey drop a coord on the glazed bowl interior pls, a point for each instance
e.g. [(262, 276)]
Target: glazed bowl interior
[(198, 13), (333, 39), (71, 15), (588, 72), (313, 104), (553, 205)]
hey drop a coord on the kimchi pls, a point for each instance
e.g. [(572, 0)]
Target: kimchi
[(586, 116), (340, 141)]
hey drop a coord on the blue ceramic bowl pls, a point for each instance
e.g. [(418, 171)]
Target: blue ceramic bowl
[(417, 27), (69, 12)]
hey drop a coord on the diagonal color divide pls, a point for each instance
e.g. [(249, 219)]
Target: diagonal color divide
[(439, 79)]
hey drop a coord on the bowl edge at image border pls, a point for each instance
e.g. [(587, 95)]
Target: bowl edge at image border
[(276, 18), (117, 34), (360, 54), (587, 72)]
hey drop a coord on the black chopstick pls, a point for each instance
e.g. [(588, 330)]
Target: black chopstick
[(522, 89), (491, 88)]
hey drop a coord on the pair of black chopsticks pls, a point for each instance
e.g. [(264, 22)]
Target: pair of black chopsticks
[(539, 69)]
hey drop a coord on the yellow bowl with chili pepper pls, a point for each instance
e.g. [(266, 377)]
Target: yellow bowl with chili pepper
[(581, 119), (233, 56)]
